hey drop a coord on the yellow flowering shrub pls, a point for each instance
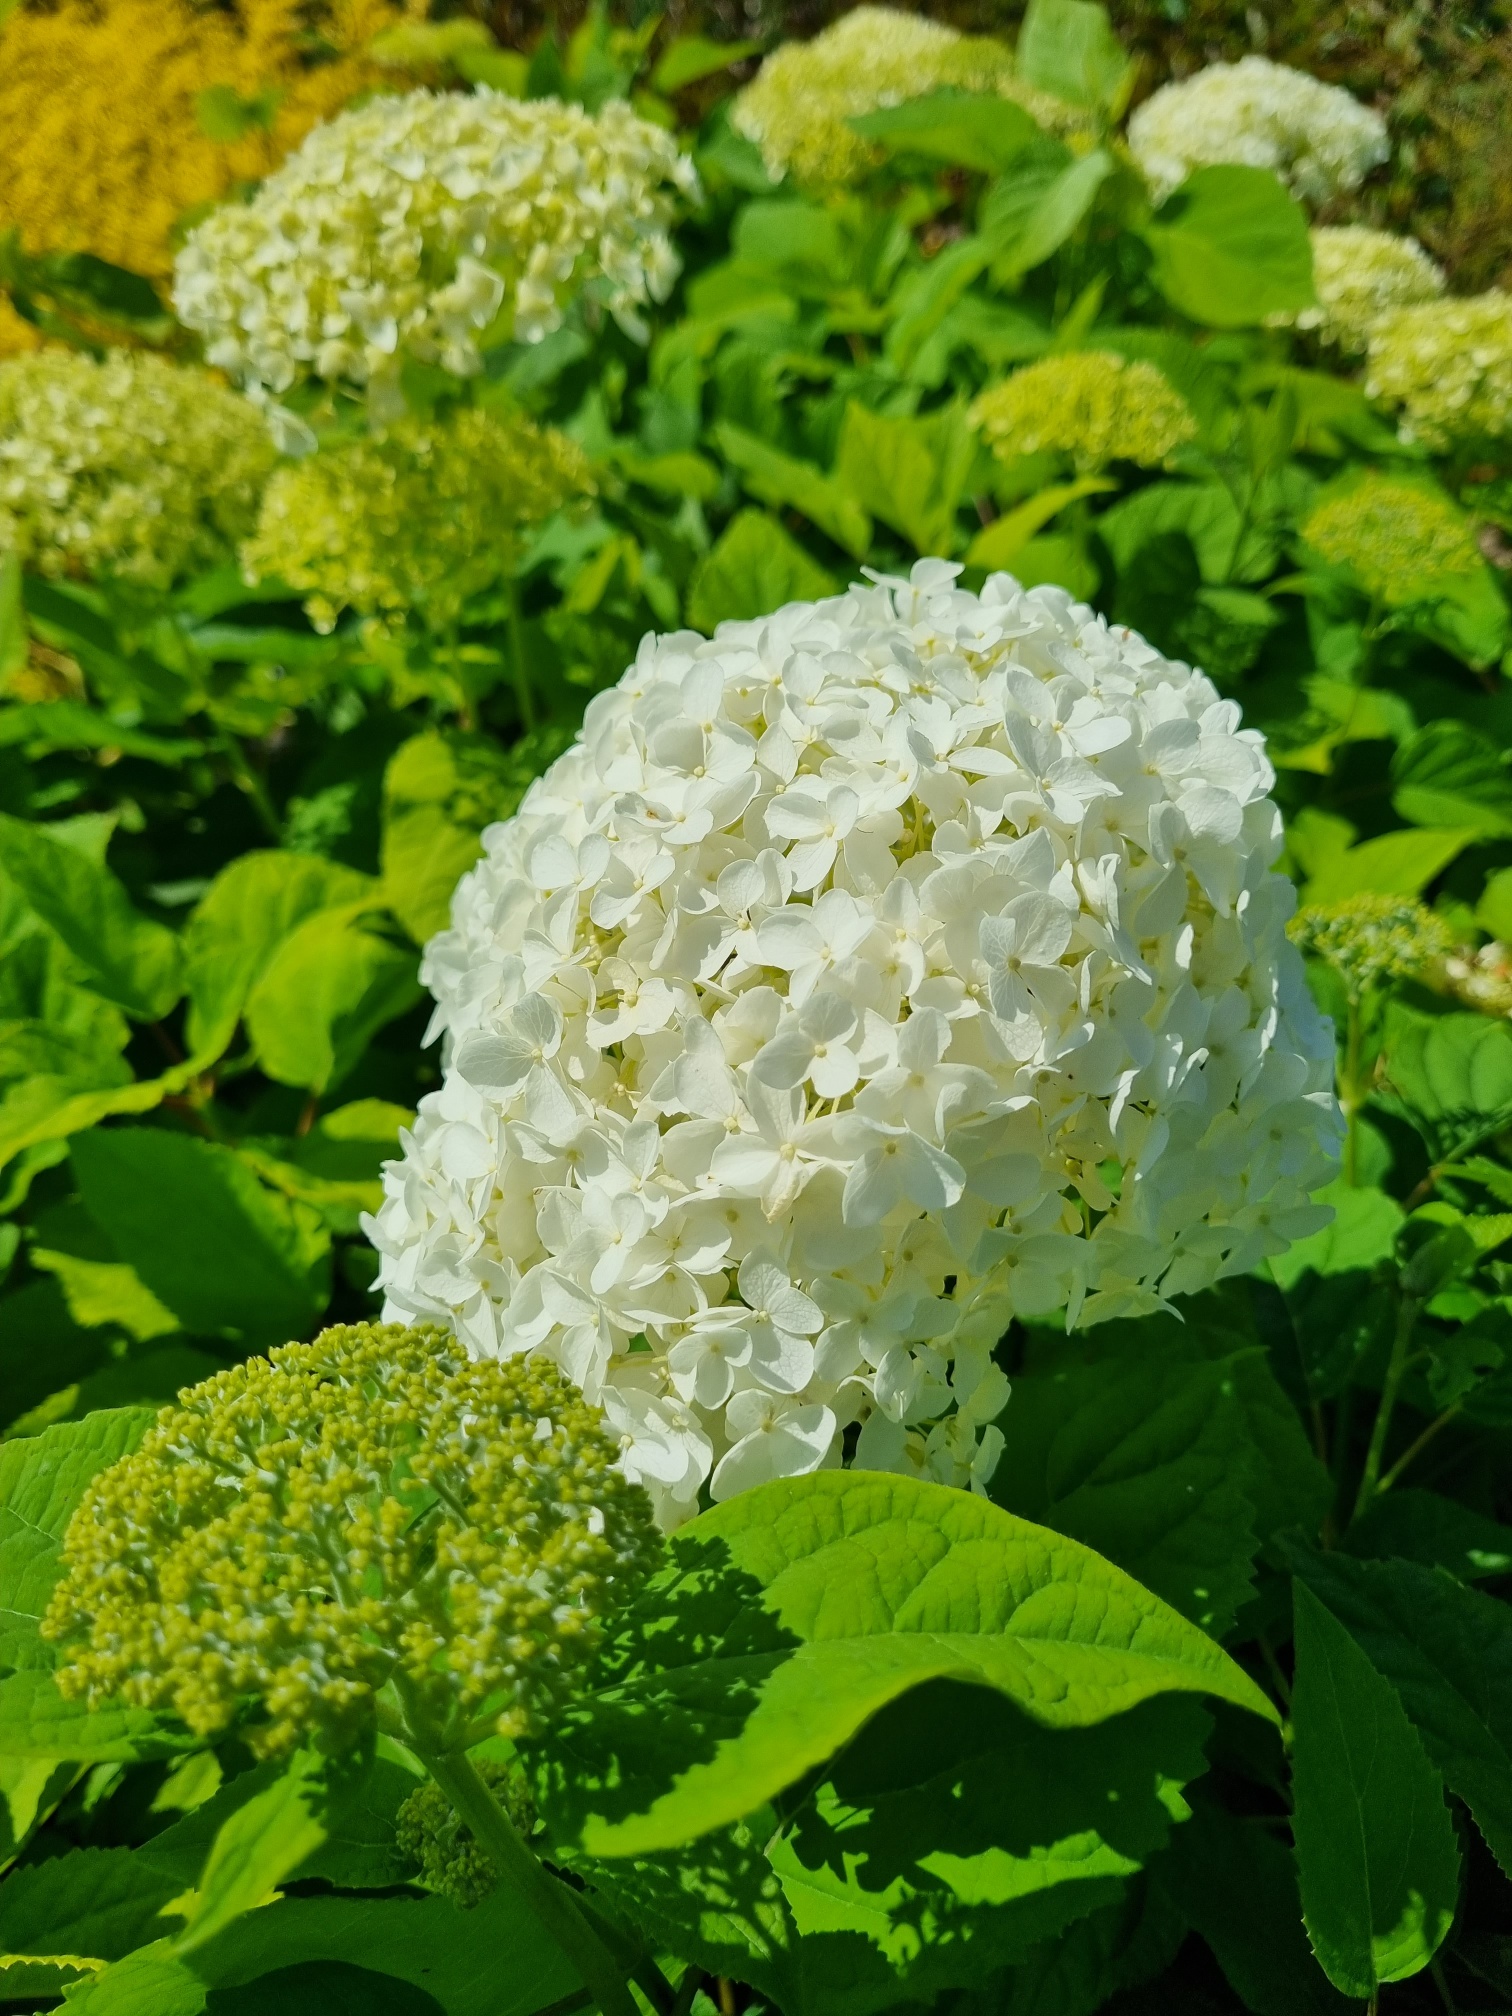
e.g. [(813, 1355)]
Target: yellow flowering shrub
[(1092, 406), (103, 150)]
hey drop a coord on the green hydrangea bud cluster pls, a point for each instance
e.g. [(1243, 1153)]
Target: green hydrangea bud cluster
[(443, 1850), (1358, 275), (798, 106), (1400, 539), (1368, 939), (1481, 978), (1090, 405), (419, 517), (307, 1527), (1448, 366), (127, 468)]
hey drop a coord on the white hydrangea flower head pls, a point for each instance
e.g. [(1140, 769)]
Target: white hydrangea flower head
[(408, 226), (1358, 274), (798, 106), (1258, 114), (863, 977), (1448, 366)]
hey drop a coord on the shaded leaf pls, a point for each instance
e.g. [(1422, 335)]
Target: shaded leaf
[(755, 567), (1446, 774), (95, 1903), (1451, 1074), (910, 473), (328, 990), (1435, 1532)]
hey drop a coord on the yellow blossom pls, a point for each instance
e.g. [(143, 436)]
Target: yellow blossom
[(1400, 539), (103, 150), (375, 1507), (1092, 406)]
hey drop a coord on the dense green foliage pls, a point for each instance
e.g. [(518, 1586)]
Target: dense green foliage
[(1209, 1706)]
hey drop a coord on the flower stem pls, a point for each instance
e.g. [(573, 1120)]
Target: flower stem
[(1395, 1369), (519, 658), (551, 1901)]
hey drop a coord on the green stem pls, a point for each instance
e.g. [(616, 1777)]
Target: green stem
[(551, 1901), (1415, 1449), (518, 657), (1395, 1369), (254, 787)]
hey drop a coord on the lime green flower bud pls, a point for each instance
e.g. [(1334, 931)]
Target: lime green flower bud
[(1401, 540), (1091, 405), (442, 1848), (1448, 366), (373, 1508), (1368, 939), (419, 517)]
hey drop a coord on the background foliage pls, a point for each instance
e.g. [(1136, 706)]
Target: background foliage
[(224, 836)]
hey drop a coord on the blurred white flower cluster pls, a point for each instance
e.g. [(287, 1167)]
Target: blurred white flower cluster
[(407, 227), (1448, 366), (865, 976), (1358, 274), (1258, 114), (128, 468), (798, 107)]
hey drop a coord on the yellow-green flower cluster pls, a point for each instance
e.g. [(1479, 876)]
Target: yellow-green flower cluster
[(1090, 405), (407, 227), (419, 517), (130, 468), (1358, 274), (1448, 366), (433, 1840), (797, 108), (1368, 939), (304, 1529), (1403, 541)]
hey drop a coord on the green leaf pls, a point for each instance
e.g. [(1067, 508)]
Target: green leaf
[(1236, 1886), (687, 58), (129, 959), (1376, 1853), (1448, 775), (36, 1721), (13, 647), (440, 790), (1363, 1234), (755, 567), (1035, 208), (1000, 543), (1068, 47), (265, 1840), (910, 473), (148, 1982), (227, 1256), (1147, 1463), (1231, 248), (223, 114), (1451, 1074), (789, 1616), (1392, 864), (42, 1480), (782, 479), (95, 1903), (1447, 1651), (328, 990), (323, 1988), (246, 914), (102, 1292), (1433, 1531), (968, 129)]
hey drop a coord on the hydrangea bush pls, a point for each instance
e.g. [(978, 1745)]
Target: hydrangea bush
[(800, 1022)]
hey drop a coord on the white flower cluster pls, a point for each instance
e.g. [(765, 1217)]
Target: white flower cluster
[(1258, 114), (1448, 366), (865, 976), (1358, 274), (408, 226)]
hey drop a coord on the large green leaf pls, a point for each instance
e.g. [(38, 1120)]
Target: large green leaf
[(439, 792), (1449, 775), (1068, 47), (1236, 1885), (1363, 1234), (1447, 1650), (776, 478), (128, 958), (910, 473), (36, 1721), (1436, 1532), (1148, 1462), (1376, 1853), (969, 129), (42, 1480), (246, 914), (328, 990), (1231, 247), (791, 1615), (1451, 1075), (92, 1904), (1038, 204), (226, 1255), (755, 567), (323, 1988)]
